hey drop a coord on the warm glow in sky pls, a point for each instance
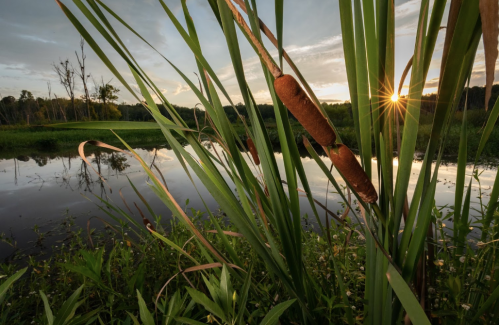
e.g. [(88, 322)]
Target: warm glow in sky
[(36, 33)]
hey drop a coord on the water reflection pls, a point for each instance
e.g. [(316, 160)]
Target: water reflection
[(42, 191)]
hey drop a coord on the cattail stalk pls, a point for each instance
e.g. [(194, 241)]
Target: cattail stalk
[(273, 68)]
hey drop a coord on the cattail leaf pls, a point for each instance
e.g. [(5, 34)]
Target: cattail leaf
[(487, 304), (362, 90), (347, 33), (411, 120), (489, 13), (461, 168), (406, 297), (434, 27), (279, 19)]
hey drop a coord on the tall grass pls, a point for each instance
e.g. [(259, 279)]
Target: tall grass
[(399, 230)]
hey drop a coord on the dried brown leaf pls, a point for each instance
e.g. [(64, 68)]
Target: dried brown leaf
[(490, 20)]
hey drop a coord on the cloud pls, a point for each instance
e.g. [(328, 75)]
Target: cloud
[(181, 88), (37, 33), (432, 83)]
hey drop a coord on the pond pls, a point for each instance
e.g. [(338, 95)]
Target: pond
[(42, 194)]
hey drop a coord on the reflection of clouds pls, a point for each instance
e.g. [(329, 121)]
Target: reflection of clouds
[(164, 156), (407, 9)]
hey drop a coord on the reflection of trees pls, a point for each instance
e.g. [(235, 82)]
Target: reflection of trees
[(84, 177), (100, 159), (40, 160), (116, 161)]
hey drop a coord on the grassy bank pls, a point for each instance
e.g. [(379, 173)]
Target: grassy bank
[(52, 139), (19, 139)]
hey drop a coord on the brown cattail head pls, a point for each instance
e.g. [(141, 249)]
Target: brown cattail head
[(305, 111), (148, 224), (252, 149), (266, 191), (344, 160)]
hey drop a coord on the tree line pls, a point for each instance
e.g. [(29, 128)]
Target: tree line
[(98, 102)]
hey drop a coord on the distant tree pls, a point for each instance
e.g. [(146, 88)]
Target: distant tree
[(107, 94), (8, 100), (3, 108), (26, 101), (25, 96)]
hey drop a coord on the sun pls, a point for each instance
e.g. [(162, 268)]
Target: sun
[(395, 97)]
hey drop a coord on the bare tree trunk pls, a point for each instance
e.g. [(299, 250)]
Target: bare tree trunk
[(49, 86), (60, 108), (66, 74), (83, 76)]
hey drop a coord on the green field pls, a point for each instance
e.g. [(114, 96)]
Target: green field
[(14, 140)]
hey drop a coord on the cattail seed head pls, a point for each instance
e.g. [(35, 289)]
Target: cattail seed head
[(305, 111), (148, 224), (344, 160), (266, 191), (252, 149)]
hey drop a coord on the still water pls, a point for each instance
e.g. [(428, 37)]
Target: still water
[(39, 193)]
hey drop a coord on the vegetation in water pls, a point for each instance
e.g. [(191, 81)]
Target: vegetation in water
[(117, 269)]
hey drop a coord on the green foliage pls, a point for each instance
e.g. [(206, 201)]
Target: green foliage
[(5, 286)]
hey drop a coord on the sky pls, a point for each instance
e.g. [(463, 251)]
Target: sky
[(36, 34)]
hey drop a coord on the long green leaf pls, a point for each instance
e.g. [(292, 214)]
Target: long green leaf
[(68, 309), (406, 297), (145, 314), (273, 315), (8, 283), (48, 311), (208, 304), (279, 19)]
